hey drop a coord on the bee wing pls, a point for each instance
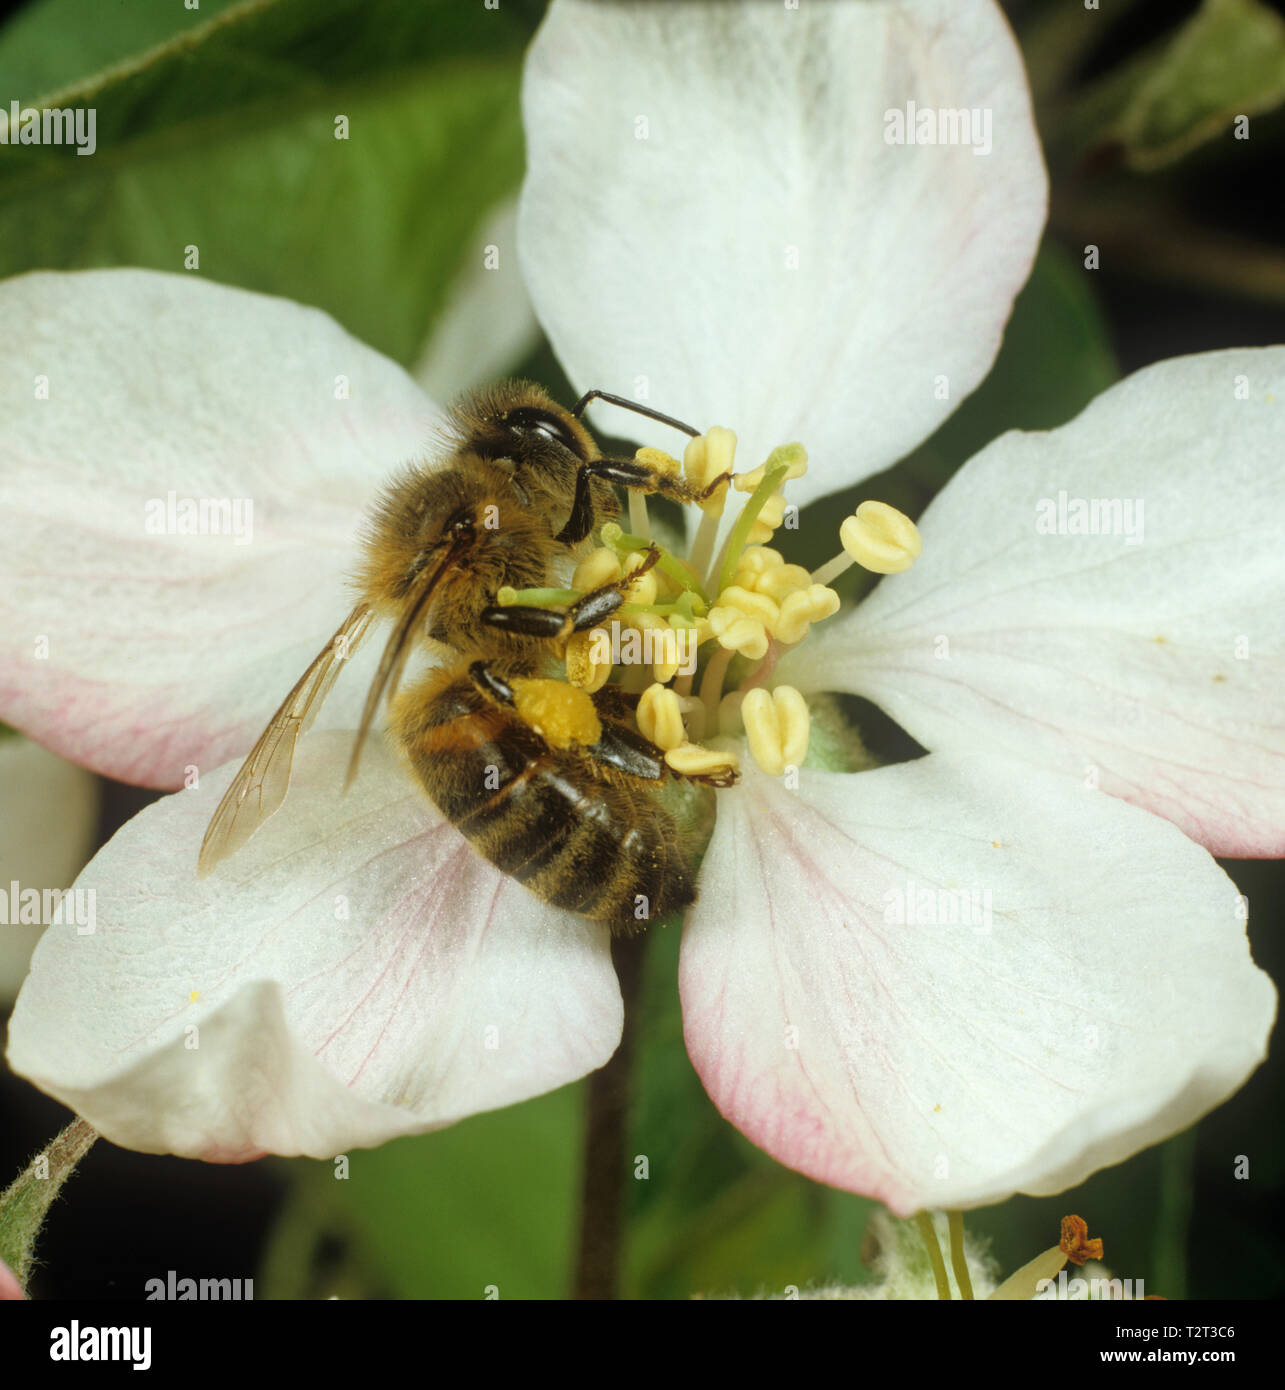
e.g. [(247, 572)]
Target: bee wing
[(260, 786)]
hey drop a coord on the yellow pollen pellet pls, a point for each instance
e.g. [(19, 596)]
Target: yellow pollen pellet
[(694, 761), (881, 539), (582, 670), (599, 567), (777, 725), (801, 609), (660, 717), (662, 462), (737, 633), (564, 715)]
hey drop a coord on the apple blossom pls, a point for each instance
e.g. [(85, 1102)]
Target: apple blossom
[(753, 253)]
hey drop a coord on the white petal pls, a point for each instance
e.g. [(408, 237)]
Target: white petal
[(488, 325), (48, 815), (1095, 996), (713, 218), (138, 653), (1153, 667), (359, 972)]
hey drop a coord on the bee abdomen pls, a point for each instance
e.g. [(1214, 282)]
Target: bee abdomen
[(546, 817)]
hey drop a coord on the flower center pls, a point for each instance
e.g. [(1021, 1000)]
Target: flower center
[(699, 635)]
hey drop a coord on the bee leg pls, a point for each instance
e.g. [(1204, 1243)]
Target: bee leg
[(587, 611), (596, 395), (496, 687), (636, 477)]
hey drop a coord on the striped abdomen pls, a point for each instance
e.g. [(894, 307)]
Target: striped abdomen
[(582, 837)]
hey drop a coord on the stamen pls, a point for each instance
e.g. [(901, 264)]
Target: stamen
[(579, 659), (694, 761), (1075, 1242), (642, 590), (660, 717), (711, 691), (599, 567), (801, 609), (878, 538), (777, 727), (677, 570), (929, 1238), (741, 530), (958, 1261)]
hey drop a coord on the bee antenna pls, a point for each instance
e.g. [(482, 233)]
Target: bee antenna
[(630, 405)]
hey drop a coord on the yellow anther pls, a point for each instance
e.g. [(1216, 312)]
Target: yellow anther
[(738, 633), (563, 714), (801, 609), (720, 452), (694, 456), (599, 567), (770, 516), (660, 717), (881, 539), (795, 456), (751, 604), (694, 761), (583, 670), (757, 560), (777, 725), (677, 646), (779, 583), (708, 455), (662, 462), (642, 590)]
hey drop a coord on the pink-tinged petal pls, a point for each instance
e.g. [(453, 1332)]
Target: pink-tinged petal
[(124, 645), (1093, 994), (1148, 660), (713, 218), (354, 973)]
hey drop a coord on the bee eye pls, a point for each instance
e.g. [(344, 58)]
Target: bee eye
[(530, 420)]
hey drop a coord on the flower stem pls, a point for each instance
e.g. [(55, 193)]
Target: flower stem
[(602, 1191)]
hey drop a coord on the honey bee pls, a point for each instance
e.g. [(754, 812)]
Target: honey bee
[(556, 787)]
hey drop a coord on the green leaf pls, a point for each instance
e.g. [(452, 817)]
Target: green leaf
[(490, 1202), (48, 44), (225, 139), (1226, 61)]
